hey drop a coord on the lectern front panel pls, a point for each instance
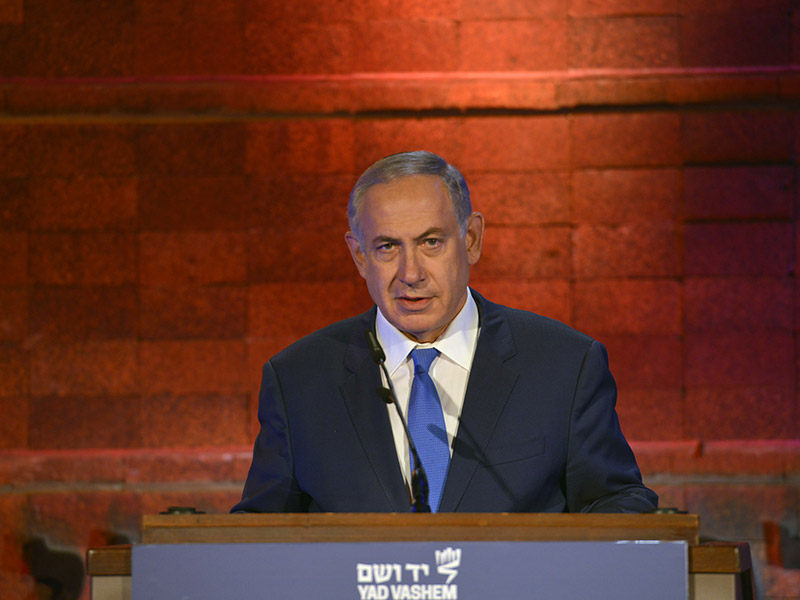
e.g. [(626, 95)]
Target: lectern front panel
[(412, 570)]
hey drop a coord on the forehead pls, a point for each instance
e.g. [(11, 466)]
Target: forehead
[(415, 201)]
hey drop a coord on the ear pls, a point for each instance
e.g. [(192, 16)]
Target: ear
[(473, 237), (357, 253)]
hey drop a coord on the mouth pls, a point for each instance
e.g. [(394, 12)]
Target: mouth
[(413, 303)]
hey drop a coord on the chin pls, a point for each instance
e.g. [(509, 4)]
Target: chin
[(419, 333)]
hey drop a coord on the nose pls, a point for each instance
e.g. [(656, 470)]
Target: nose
[(410, 270)]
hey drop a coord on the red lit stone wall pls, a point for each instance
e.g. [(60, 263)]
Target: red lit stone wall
[(173, 177)]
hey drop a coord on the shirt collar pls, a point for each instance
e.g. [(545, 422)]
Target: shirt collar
[(457, 342)]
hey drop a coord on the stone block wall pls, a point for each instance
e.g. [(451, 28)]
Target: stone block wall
[(173, 178)]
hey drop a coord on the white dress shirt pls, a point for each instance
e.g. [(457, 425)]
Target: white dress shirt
[(449, 371)]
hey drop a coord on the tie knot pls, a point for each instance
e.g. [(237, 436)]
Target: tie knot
[(423, 357)]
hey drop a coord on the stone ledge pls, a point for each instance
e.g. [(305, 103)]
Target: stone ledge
[(692, 460), (240, 96), (124, 468), (775, 458)]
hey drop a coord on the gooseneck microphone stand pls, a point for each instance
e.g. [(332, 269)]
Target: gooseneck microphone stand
[(419, 480)]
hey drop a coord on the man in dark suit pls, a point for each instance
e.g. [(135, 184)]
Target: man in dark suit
[(523, 415)]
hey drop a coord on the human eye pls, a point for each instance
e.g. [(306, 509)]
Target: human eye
[(432, 242), (385, 247)]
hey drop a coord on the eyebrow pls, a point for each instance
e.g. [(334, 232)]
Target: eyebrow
[(433, 231), (437, 231), (382, 239)]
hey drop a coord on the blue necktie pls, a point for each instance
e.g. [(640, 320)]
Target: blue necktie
[(426, 424)]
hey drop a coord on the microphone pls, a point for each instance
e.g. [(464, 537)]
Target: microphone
[(375, 348), (419, 480)]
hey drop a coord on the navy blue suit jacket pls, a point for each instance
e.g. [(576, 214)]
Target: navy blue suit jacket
[(538, 429)]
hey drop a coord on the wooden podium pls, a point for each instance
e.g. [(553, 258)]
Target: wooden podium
[(716, 571)]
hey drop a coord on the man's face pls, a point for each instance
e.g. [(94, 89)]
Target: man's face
[(414, 258)]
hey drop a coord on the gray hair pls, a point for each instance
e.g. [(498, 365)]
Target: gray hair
[(408, 164)]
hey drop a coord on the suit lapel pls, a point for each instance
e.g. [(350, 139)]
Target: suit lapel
[(490, 384), (369, 416)]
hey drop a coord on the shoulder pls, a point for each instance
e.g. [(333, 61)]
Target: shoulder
[(532, 332), (524, 321), (329, 342)]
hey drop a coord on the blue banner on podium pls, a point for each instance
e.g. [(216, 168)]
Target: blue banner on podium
[(412, 571)]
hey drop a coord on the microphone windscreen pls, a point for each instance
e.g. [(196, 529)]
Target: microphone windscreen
[(374, 347)]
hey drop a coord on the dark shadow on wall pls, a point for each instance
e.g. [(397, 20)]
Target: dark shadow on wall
[(59, 574)]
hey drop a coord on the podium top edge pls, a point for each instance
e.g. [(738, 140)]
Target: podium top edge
[(298, 527), (645, 520)]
